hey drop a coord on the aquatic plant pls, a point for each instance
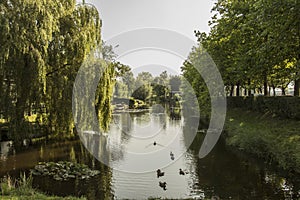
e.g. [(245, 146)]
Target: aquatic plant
[(63, 170)]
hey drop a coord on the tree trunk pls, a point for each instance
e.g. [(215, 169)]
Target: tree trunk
[(245, 91), (266, 92), (249, 90), (231, 90), (237, 89), (283, 91)]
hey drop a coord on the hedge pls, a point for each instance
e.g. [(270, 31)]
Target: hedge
[(281, 106)]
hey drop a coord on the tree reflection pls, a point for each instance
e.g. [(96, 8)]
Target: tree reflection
[(233, 175)]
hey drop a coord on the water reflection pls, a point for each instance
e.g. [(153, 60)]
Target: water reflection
[(241, 175), (5, 149), (224, 172), (97, 144)]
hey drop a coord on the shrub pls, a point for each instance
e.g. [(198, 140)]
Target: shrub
[(281, 106)]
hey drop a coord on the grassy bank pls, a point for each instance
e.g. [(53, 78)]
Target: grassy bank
[(22, 190), (273, 139)]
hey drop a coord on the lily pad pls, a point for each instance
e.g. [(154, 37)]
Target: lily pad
[(64, 170)]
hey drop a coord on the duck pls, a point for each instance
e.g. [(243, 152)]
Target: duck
[(172, 155), (155, 144), (160, 173), (163, 185), (181, 172)]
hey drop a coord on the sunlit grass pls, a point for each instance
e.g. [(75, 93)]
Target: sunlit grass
[(276, 140)]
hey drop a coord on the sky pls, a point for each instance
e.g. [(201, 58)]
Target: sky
[(177, 16)]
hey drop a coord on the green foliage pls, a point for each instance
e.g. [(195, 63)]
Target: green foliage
[(21, 186), (144, 77), (255, 44), (64, 170), (6, 185), (145, 86), (128, 79), (121, 90), (43, 45), (142, 86), (162, 79), (193, 85), (283, 107), (160, 91), (22, 190), (79, 35), (143, 92)]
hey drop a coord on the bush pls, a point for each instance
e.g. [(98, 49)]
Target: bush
[(281, 106)]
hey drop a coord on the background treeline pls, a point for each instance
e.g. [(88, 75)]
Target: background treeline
[(255, 45), (145, 87), (43, 44)]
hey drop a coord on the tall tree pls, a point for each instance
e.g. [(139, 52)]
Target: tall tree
[(254, 43), (43, 46), (27, 29)]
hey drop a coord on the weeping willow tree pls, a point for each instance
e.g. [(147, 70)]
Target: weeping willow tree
[(26, 31), (79, 34), (43, 44), (93, 92)]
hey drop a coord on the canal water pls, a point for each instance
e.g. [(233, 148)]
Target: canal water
[(135, 147)]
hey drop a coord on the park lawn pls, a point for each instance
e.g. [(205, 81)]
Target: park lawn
[(273, 139)]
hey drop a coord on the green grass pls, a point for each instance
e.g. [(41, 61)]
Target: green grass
[(37, 196), (21, 189), (276, 140)]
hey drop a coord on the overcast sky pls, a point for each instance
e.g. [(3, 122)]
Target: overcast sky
[(181, 16)]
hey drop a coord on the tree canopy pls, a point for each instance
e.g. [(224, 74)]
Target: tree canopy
[(43, 44), (255, 44)]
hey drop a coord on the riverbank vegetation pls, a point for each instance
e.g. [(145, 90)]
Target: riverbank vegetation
[(21, 189), (255, 46), (284, 107), (274, 139)]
